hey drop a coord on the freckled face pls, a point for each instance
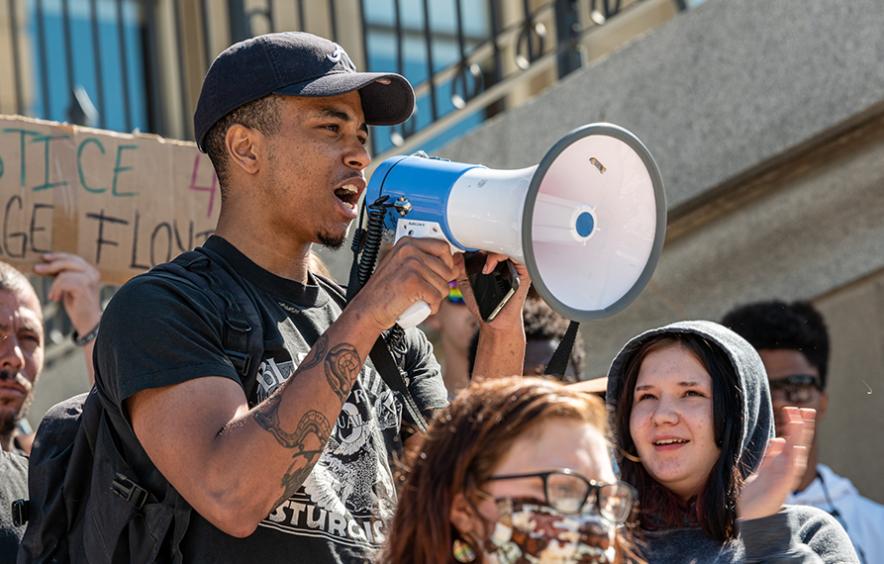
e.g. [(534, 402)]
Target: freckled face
[(315, 167), (671, 422)]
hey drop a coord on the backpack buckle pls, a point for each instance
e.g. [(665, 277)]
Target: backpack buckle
[(129, 490), (20, 512), (238, 322)]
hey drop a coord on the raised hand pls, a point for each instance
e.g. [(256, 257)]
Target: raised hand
[(76, 285), (510, 316), (784, 462)]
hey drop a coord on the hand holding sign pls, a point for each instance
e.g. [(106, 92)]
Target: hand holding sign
[(77, 284)]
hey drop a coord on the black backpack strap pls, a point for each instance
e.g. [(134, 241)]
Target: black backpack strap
[(385, 364), (243, 338), (244, 342), (559, 361)]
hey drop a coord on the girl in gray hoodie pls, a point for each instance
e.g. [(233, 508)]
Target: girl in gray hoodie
[(695, 434)]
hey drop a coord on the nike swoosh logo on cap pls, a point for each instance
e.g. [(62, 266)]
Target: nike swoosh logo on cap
[(336, 56)]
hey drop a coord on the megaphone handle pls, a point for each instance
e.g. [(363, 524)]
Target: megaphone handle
[(414, 315)]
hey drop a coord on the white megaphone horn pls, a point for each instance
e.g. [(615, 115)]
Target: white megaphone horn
[(588, 221)]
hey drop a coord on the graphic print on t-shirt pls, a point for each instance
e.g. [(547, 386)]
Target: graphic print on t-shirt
[(349, 496)]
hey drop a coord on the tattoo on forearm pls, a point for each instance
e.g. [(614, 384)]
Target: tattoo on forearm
[(317, 354), (312, 422), (307, 440), (342, 364)]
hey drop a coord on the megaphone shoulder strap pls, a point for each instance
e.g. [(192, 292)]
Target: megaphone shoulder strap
[(383, 361), (559, 361)]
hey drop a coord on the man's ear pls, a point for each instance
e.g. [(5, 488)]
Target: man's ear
[(244, 145)]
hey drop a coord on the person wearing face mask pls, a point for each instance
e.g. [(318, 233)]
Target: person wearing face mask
[(694, 433), (515, 470)]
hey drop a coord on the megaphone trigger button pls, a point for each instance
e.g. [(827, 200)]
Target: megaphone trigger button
[(402, 205)]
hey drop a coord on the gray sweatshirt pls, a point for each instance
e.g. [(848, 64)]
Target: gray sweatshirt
[(795, 534)]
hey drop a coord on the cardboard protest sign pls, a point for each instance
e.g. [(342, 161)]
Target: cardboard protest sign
[(123, 202)]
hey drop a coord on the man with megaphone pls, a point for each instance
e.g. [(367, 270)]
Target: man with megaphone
[(293, 459)]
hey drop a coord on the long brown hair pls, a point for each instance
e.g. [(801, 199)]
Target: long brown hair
[(715, 508), (461, 448)]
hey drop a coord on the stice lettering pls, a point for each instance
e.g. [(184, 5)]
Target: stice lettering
[(83, 169)]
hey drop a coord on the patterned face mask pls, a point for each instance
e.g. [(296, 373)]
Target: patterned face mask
[(528, 532)]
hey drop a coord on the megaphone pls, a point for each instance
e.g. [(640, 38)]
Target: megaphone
[(588, 221)]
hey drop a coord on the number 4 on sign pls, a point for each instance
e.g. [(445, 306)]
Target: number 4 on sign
[(197, 159)]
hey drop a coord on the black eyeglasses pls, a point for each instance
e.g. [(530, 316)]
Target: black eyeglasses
[(795, 388), (567, 491)]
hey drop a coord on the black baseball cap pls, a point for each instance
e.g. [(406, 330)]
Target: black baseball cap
[(295, 63)]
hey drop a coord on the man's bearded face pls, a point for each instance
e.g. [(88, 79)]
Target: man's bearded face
[(21, 354)]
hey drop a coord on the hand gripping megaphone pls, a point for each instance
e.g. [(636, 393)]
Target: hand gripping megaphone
[(588, 221)]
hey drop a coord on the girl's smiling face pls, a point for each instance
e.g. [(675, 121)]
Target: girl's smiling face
[(671, 422)]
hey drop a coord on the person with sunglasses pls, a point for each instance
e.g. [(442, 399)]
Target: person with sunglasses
[(694, 433), (514, 470), (793, 343)]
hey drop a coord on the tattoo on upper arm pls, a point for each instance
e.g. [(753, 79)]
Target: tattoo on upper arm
[(342, 364), (307, 440)]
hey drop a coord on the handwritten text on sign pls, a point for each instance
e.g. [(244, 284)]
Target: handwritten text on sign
[(123, 202)]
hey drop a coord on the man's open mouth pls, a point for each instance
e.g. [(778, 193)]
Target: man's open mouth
[(348, 193)]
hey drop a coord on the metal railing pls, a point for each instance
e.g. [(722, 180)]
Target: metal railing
[(137, 64)]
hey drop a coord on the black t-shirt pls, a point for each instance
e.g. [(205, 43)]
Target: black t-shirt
[(157, 333), (13, 486)]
